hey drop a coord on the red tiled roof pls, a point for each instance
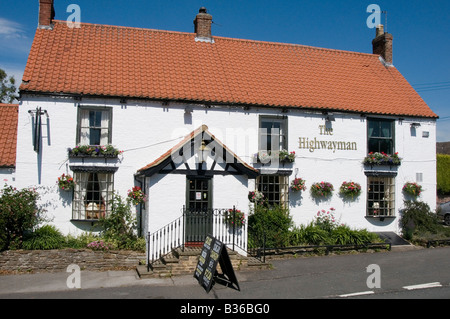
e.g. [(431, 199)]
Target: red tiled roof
[(102, 60), (8, 134)]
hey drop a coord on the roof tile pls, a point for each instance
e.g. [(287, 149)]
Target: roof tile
[(8, 134), (131, 62)]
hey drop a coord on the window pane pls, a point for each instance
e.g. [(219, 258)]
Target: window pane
[(386, 129)]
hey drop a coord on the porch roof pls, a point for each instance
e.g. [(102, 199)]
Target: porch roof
[(197, 137)]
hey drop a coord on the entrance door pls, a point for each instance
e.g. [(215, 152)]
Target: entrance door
[(198, 215)]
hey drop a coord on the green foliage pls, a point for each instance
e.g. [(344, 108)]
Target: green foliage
[(419, 223), (119, 226), (7, 88), (275, 222), (44, 238), (18, 212), (443, 173), (324, 230)]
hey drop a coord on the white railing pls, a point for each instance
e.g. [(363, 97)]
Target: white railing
[(191, 229)]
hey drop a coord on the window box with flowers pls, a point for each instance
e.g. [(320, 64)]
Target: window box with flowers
[(298, 185), (94, 151), (350, 189), (381, 158), (322, 189), (66, 182), (282, 156), (136, 195), (412, 189)]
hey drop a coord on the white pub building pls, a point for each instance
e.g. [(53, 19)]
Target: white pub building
[(199, 121)]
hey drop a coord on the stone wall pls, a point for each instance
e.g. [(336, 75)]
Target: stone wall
[(31, 261)]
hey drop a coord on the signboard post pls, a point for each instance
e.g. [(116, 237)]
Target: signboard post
[(214, 252)]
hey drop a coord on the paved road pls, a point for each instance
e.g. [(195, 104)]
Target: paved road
[(422, 273)]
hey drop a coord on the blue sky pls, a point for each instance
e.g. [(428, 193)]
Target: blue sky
[(420, 28)]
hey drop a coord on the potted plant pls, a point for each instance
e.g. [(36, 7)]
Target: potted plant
[(136, 195), (286, 156), (297, 185), (350, 189), (235, 218), (322, 189), (66, 182), (381, 158), (255, 197), (94, 151), (412, 189)]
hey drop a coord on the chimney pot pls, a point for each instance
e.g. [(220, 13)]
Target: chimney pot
[(382, 44), (202, 24), (46, 14)]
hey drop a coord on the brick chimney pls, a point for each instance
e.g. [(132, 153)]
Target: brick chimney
[(382, 44), (202, 25), (46, 14)]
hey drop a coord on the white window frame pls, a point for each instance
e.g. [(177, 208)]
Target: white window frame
[(92, 194), (89, 121), (381, 196)]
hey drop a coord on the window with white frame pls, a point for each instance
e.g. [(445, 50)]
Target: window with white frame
[(94, 126), (92, 195), (275, 189), (380, 196)]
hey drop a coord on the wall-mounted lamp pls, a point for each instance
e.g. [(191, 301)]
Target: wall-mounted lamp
[(415, 125), (329, 117)]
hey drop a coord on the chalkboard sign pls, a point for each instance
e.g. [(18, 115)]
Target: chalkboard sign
[(214, 252)]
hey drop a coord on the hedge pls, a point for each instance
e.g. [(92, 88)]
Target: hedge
[(443, 173)]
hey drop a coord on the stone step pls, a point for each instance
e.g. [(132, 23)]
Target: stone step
[(183, 262)]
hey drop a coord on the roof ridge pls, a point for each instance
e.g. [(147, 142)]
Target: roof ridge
[(126, 27), (227, 38)]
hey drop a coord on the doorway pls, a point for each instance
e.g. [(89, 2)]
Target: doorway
[(198, 213)]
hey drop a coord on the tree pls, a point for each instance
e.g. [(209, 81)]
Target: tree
[(7, 88)]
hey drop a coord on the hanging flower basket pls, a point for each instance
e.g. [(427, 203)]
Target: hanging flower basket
[(255, 197), (350, 189), (322, 189), (66, 182), (412, 189), (136, 195), (236, 219), (298, 185)]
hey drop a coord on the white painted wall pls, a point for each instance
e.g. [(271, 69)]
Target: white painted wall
[(146, 130)]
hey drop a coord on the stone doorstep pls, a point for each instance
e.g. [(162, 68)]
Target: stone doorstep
[(179, 262)]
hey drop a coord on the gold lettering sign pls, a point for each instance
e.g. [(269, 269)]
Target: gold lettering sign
[(313, 144)]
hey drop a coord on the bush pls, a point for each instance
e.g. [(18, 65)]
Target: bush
[(45, 238), (443, 173), (275, 222), (18, 212), (419, 223), (119, 226), (417, 217)]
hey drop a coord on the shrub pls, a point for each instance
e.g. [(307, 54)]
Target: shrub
[(417, 217), (119, 226), (18, 212), (275, 222), (45, 238), (443, 173)]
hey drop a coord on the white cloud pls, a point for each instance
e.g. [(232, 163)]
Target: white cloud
[(11, 30)]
